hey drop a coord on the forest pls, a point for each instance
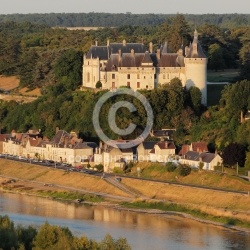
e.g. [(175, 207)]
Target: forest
[(51, 59), (93, 19)]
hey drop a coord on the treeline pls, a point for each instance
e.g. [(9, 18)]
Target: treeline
[(93, 19), (42, 56), (51, 237)]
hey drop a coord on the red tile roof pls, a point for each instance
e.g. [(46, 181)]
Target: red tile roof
[(4, 136), (199, 146)]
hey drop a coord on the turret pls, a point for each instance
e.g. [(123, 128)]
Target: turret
[(196, 67)]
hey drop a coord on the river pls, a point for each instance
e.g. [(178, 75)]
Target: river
[(143, 231)]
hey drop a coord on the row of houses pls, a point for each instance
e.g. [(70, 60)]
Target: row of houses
[(67, 147)]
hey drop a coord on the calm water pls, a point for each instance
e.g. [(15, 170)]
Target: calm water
[(143, 232)]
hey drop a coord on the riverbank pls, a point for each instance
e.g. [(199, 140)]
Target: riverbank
[(207, 206)]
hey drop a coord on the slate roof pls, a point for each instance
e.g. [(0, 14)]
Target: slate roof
[(164, 133), (207, 157), (85, 145), (193, 53), (192, 156), (149, 144), (103, 52), (58, 138), (147, 59)]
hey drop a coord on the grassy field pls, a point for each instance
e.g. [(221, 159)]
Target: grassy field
[(9, 82), (228, 75), (205, 178), (31, 172)]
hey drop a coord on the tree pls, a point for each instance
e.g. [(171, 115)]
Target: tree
[(68, 68), (195, 96), (178, 33), (215, 57), (8, 234), (234, 154), (53, 237), (98, 85)]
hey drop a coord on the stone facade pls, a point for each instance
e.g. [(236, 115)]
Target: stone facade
[(132, 65)]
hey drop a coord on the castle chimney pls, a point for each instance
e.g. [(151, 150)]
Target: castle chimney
[(187, 50), (107, 42), (158, 54), (150, 47), (124, 42)]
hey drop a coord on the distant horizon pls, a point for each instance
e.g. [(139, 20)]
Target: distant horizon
[(165, 7), (42, 13)]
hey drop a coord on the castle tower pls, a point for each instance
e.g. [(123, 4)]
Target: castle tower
[(196, 67)]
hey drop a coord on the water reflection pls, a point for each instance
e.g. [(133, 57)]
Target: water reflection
[(142, 231)]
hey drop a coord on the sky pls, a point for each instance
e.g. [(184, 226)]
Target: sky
[(123, 6)]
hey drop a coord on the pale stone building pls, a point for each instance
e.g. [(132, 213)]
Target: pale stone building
[(163, 151), (132, 65), (194, 159)]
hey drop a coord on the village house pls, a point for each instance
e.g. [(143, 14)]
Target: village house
[(114, 156), (207, 160), (163, 151), (199, 146), (144, 149), (63, 147)]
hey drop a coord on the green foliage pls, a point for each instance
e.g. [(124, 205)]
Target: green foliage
[(68, 69), (8, 234), (98, 85), (117, 170), (234, 154), (108, 243), (171, 167), (184, 170), (215, 57), (99, 167), (195, 96), (51, 237)]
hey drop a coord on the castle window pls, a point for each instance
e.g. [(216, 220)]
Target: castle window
[(113, 76), (128, 76), (128, 84), (138, 85), (144, 77), (163, 76), (88, 77), (146, 86), (113, 85), (168, 76), (88, 62), (138, 76), (155, 76)]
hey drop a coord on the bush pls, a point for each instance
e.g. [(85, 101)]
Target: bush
[(117, 170), (171, 167), (98, 85), (184, 170), (99, 167)]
